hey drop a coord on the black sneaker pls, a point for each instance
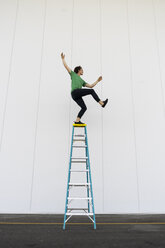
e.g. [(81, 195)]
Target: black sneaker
[(78, 122), (105, 102)]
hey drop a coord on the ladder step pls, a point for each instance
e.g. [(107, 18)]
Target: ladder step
[(79, 135), (79, 170), (79, 184), (80, 158), (77, 208), (79, 213), (78, 139), (78, 161), (79, 146), (78, 198)]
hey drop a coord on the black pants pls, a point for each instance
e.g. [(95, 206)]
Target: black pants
[(77, 97)]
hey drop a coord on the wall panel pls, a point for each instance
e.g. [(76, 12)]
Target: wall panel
[(52, 151), (16, 158), (149, 110), (119, 154), (8, 18)]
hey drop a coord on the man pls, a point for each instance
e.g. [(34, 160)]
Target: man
[(76, 89)]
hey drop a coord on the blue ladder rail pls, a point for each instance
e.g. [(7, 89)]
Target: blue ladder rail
[(89, 211)]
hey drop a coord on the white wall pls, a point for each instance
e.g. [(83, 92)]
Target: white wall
[(122, 40)]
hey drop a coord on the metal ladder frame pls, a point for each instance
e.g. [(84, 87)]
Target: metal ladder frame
[(90, 200)]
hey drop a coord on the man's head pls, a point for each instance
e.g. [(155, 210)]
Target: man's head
[(78, 70)]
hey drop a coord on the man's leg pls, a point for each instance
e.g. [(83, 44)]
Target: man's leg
[(85, 92), (81, 103)]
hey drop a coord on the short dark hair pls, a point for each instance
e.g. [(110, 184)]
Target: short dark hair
[(77, 68)]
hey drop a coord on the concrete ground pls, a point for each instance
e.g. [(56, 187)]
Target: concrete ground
[(38, 231)]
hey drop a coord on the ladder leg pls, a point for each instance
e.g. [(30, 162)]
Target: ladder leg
[(67, 193), (90, 178), (87, 167)]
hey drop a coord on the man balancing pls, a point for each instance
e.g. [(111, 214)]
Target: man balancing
[(77, 92)]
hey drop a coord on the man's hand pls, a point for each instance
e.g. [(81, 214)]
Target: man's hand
[(99, 79), (62, 56)]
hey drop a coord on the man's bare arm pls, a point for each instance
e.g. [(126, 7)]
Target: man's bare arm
[(92, 85), (64, 63)]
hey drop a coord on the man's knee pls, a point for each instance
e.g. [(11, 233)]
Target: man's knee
[(92, 91)]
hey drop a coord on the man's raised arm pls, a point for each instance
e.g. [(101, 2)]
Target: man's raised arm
[(64, 63)]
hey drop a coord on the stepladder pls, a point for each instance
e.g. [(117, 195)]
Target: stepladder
[(79, 193)]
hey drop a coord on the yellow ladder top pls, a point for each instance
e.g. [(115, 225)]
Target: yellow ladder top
[(79, 125)]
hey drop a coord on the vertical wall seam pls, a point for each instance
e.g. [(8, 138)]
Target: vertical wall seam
[(9, 76), (69, 131), (100, 12), (38, 102), (133, 106), (158, 56)]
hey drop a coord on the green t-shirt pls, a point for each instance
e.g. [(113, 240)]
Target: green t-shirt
[(77, 81)]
